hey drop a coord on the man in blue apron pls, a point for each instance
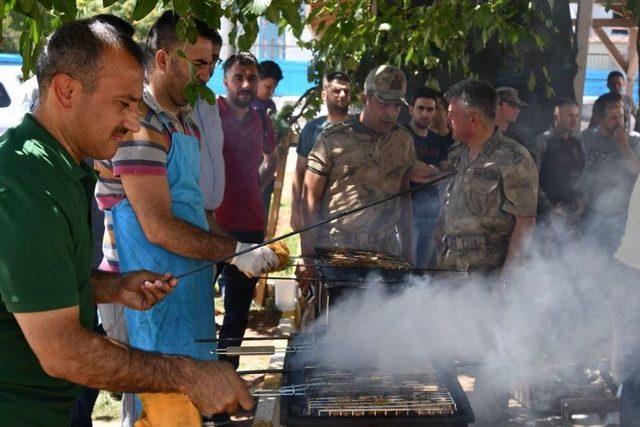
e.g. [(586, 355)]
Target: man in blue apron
[(155, 215)]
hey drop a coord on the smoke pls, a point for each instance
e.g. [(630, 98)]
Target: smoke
[(556, 315)]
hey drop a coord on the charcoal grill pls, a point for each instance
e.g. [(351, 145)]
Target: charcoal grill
[(357, 269), (319, 396)]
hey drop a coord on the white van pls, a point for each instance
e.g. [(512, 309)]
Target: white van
[(12, 94)]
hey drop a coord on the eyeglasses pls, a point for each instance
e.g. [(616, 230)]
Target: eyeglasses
[(216, 60)]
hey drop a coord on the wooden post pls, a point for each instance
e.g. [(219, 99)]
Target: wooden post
[(613, 50), (632, 60), (274, 208), (585, 12)]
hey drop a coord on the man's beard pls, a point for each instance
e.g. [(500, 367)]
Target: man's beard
[(421, 125), (235, 100), (337, 109)]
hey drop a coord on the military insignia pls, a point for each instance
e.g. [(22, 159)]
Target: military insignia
[(485, 173), (517, 157)]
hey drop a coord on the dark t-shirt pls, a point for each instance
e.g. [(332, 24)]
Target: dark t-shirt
[(431, 149), (561, 167)]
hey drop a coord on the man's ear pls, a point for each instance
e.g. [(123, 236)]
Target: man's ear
[(63, 88), (162, 60), (323, 94)]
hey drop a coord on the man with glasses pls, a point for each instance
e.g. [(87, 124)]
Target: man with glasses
[(360, 161)]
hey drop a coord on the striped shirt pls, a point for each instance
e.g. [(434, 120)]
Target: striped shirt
[(140, 153)]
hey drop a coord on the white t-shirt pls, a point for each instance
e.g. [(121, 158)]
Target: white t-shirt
[(207, 118), (629, 250)]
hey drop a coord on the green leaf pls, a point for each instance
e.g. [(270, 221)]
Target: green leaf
[(249, 36), (181, 30), (192, 33), (207, 94), (181, 7), (292, 15), (191, 92), (143, 8), (259, 7), (107, 3), (272, 14), (531, 83)]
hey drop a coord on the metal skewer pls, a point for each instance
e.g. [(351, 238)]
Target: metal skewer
[(434, 179), (280, 337), (292, 390)]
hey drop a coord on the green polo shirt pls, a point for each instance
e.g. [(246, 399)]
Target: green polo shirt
[(45, 264)]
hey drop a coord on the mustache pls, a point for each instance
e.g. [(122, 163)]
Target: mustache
[(120, 131)]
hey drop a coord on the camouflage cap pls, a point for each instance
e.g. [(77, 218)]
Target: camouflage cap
[(510, 96), (387, 82)]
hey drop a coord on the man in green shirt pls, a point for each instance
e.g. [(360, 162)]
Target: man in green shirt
[(90, 79)]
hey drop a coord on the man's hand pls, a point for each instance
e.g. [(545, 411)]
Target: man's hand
[(215, 387), (621, 138), (306, 275), (256, 261), (141, 290), (422, 171)]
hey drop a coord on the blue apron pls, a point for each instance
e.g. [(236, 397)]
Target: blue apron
[(187, 313)]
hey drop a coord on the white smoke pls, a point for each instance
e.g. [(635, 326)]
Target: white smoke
[(558, 313)]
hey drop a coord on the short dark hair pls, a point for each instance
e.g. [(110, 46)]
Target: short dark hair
[(604, 102), (242, 58), (269, 69), (476, 94), (162, 34), (336, 75), (115, 21), (77, 49), (561, 102), (425, 92), (612, 75)]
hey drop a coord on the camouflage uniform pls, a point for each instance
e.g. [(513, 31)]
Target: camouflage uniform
[(361, 167), (481, 202)]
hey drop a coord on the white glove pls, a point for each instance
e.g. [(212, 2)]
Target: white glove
[(256, 261)]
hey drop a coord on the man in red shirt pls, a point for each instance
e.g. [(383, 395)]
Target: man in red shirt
[(249, 141)]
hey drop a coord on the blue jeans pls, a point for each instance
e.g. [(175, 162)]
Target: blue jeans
[(423, 247), (238, 293)]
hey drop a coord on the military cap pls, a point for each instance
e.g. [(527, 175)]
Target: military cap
[(510, 96), (387, 83)]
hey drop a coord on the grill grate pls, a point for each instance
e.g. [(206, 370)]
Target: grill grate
[(375, 393)]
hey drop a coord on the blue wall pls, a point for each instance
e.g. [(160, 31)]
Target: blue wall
[(295, 81)]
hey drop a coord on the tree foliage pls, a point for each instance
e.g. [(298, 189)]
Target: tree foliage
[(40, 17)]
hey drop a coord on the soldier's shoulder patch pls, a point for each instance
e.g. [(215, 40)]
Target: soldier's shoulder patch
[(513, 151)]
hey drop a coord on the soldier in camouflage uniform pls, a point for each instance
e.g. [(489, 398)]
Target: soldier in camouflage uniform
[(490, 205), (358, 162), (488, 212)]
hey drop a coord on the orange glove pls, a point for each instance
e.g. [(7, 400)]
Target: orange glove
[(283, 253)]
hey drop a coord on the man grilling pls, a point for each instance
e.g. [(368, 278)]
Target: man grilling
[(154, 210), (360, 161), (47, 288), (488, 214)]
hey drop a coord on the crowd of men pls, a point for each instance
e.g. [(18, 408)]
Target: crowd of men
[(182, 186)]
